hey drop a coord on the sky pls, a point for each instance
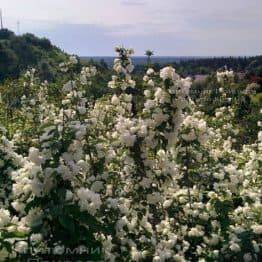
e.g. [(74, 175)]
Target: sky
[(169, 27)]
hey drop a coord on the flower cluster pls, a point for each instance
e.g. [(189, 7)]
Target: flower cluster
[(227, 75), (156, 182)]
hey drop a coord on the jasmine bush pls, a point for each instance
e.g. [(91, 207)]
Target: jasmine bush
[(113, 180)]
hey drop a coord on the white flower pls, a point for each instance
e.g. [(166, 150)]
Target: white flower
[(145, 78), (127, 98), (112, 84), (115, 100), (150, 71), (88, 200), (190, 136), (118, 68), (130, 68), (69, 195), (73, 60), (147, 93), (34, 156), (136, 256), (167, 203), (151, 83), (69, 86), (36, 238), (225, 75), (81, 110), (149, 104), (257, 229), (4, 217), (21, 247), (160, 93), (128, 139), (235, 247), (159, 118), (157, 259), (195, 232), (34, 217), (168, 73), (213, 241), (32, 102)]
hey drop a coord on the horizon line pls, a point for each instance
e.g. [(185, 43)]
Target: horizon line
[(177, 56)]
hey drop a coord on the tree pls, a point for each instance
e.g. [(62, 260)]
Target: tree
[(149, 53)]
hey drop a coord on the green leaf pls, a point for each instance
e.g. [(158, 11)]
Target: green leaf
[(68, 223)]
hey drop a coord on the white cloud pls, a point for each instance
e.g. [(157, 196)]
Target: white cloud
[(203, 26), (133, 2)]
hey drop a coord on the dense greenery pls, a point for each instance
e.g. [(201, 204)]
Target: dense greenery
[(253, 65), (102, 164), (17, 53)]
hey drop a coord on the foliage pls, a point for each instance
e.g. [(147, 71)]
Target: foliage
[(138, 174), (17, 53)]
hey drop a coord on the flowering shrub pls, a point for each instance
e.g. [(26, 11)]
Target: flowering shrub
[(110, 180), (227, 75)]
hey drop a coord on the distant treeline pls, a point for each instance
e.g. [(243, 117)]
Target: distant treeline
[(191, 65), (252, 65), (140, 60)]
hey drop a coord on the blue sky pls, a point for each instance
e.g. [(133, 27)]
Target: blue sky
[(169, 27)]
